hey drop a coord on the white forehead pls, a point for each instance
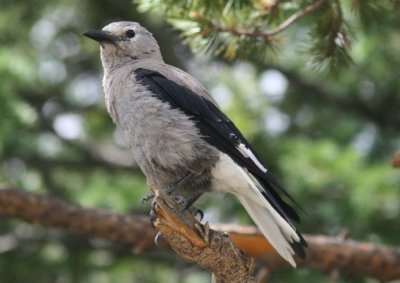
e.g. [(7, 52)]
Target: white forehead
[(117, 27)]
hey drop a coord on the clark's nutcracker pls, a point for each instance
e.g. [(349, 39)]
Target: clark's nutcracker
[(181, 139)]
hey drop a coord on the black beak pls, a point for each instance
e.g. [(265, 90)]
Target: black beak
[(101, 36)]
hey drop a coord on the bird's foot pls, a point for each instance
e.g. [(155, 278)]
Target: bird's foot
[(181, 202), (184, 204), (171, 188), (146, 198), (197, 213), (152, 214), (204, 231)]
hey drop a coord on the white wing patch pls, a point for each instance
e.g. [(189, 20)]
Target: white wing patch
[(248, 154)]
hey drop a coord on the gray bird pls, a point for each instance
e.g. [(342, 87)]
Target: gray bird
[(181, 139)]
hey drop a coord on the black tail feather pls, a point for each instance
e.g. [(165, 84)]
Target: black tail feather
[(300, 247), (271, 179)]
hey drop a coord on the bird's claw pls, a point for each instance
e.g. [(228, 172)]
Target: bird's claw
[(146, 198), (195, 212), (157, 238)]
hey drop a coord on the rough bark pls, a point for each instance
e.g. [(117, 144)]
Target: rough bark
[(329, 254), (49, 211), (199, 244), (324, 253)]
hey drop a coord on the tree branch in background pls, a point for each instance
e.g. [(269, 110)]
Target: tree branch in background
[(324, 253), (52, 212), (396, 160), (327, 254)]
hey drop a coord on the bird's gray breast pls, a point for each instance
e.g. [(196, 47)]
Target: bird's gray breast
[(165, 141)]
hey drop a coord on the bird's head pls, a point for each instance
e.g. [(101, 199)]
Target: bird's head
[(125, 41)]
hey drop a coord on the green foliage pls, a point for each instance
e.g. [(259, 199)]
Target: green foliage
[(251, 28), (330, 39), (309, 166), (329, 139)]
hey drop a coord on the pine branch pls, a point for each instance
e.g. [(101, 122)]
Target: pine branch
[(256, 32), (324, 253), (292, 19)]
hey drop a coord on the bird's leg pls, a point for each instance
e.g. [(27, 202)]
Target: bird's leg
[(181, 201), (193, 210), (186, 204), (171, 188)]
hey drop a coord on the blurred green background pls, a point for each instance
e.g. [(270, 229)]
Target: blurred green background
[(328, 138)]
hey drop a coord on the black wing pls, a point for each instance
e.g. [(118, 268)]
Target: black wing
[(218, 130)]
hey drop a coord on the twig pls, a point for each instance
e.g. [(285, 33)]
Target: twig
[(293, 18), (257, 32)]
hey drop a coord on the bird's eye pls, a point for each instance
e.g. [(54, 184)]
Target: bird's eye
[(130, 33)]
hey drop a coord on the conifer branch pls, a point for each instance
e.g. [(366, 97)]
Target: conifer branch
[(296, 16), (257, 32)]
